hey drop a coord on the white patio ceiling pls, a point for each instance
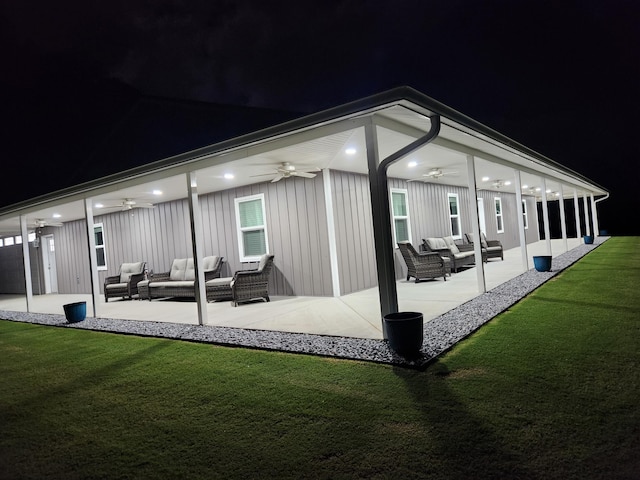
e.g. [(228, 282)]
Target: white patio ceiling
[(398, 125)]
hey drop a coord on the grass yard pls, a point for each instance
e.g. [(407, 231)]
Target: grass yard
[(549, 389)]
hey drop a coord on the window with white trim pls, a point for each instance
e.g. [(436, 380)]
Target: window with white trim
[(19, 240), (101, 252), (8, 241), (400, 215), (1, 242), (499, 220), (454, 216), (525, 218), (252, 227)]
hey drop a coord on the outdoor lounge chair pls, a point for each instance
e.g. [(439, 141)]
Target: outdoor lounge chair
[(180, 280), (493, 248), (125, 284), (425, 265), (459, 255), (245, 285)]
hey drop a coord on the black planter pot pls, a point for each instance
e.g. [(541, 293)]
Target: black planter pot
[(404, 332)]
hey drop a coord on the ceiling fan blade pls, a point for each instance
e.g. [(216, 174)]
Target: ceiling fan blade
[(303, 174), (277, 178), (262, 174)]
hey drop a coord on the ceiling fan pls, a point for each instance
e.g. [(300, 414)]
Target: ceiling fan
[(128, 204), (41, 223), (286, 170), (435, 173)]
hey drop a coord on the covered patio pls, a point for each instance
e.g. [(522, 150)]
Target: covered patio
[(355, 315), (324, 186)]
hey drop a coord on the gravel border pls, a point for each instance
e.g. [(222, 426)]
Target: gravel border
[(440, 334)]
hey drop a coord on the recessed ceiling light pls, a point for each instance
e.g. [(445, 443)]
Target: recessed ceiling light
[(229, 176), (485, 179), (525, 186), (413, 163), (99, 205), (56, 215), (538, 189), (548, 190), (350, 151), (157, 192), (508, 182)]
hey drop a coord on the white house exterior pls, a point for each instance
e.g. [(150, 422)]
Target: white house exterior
[(332, 234)]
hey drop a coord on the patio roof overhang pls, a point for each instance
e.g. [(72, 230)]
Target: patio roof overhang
[(401, 115)]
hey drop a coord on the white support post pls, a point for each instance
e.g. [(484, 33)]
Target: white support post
[(563, 221), (545, 216), (521, 233), (331, 231), (586, 214), (594, 216), (26, 260), (93, 261), (576, 206), (197, 240), (475, 223)]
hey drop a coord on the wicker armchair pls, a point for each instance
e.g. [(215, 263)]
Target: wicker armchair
[(244, 285), (125, 284), (422, 266), (490, 248)]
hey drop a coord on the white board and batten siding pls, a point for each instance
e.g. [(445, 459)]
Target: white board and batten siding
[(296, 228)]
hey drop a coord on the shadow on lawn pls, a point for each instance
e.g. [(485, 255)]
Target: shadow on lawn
[(466, 447), (78, 383), (582, 303)]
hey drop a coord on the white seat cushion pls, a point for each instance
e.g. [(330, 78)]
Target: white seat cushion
[(113, 286), (128, 269), (172, 283), (217, 282), (178, 269)]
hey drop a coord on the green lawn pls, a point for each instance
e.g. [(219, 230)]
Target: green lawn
[(549, 389)]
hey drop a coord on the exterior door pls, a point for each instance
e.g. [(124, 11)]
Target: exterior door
[(481, 220), (49, 262)]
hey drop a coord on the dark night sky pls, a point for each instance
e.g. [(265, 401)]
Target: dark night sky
[(558, 76)]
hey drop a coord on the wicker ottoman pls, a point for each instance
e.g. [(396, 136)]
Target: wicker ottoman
[(219, 289), (143, 290)]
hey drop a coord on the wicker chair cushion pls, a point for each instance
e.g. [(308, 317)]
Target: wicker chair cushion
[(216, 282), (172, 284), (116, 286), (178, 269), (128, 269), (436, 243), (451, 245), (209, 263), (483, 240), (190, 272), (263, 261)]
